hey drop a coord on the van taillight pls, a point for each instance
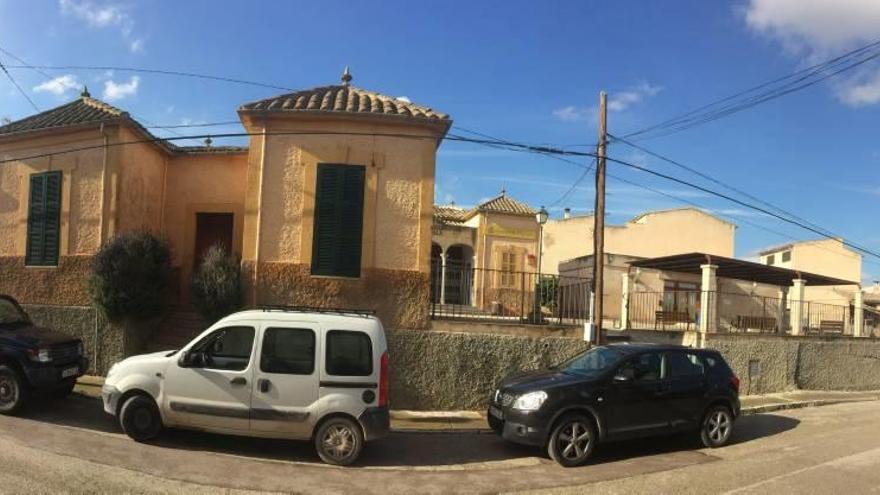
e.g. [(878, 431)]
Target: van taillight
[(383, 380), (734, 382)]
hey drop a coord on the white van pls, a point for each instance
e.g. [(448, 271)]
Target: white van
[(279, 372)]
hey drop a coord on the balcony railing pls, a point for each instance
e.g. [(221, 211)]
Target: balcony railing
[(459, 291)]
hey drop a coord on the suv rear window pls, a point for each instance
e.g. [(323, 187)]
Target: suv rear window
[(685, 364), (349, 353)]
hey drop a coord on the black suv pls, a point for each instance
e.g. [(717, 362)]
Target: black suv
[(616, 392), (34, 358)]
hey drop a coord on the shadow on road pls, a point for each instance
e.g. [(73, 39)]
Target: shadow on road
[(399, 449)]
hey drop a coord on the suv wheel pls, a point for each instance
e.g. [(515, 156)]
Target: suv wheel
[(572, 440), (13, 390), (717, 427), (339, 441), (140, 419)]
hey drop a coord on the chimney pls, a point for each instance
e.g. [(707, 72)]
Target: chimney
[(566, 213)]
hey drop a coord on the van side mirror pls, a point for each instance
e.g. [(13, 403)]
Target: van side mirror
[(192, 359)]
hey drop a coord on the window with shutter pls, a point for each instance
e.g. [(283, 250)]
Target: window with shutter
[(44, 219), (339, 211)]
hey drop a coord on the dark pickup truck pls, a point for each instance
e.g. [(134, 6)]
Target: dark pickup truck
[(34, 359)]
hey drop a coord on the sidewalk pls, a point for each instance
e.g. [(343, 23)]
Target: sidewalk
[(475, 421)]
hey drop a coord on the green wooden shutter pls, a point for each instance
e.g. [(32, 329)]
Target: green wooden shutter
[(339, 212), (44, 219)]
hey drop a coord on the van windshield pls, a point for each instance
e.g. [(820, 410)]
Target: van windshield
[(591, 363)]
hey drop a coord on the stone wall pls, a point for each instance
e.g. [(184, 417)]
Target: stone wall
[(767, 364), (433, 370), (65, 284)]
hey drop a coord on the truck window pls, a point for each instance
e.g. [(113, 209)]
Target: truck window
[(349, 353)]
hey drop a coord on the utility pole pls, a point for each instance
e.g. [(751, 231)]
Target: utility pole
[(599, 222)]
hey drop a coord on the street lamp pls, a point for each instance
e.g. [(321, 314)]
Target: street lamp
[(541, 216)]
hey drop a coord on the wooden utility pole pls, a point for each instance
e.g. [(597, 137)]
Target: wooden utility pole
[(599, 223)]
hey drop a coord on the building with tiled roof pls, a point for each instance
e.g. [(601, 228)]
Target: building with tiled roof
[(328, 204)]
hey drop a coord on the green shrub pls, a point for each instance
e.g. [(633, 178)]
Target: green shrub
[(131, 276), (216, 286)]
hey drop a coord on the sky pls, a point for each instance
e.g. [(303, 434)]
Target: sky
[(526, 71)]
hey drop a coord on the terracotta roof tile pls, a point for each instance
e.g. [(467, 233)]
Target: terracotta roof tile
[(450, 213), (84, 110), (344, 99), (505, 204)]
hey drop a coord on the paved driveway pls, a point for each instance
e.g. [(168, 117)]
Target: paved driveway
[(82, 450)]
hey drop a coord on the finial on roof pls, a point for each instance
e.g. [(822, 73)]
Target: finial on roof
[(346, 76), (85, 92), (208, 142), (503, 190)]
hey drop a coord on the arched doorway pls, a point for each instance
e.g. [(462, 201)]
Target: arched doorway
[(436, 265), (459, 279)]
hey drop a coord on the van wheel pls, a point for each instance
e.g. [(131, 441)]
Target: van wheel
[(13, 390), (572, 440), (339, 441), (717, 427), (140, 419)]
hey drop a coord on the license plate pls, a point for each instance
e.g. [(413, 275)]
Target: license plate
[(70, 372), (494, 411)]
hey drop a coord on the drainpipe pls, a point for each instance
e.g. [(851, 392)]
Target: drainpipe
[(259, 214)]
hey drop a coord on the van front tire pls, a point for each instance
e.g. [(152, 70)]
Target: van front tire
[(339, 441), (140, 418)]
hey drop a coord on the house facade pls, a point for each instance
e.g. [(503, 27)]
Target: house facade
[(651, 234), (829, 257), (330, 204)]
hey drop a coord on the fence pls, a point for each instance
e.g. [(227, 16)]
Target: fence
[(460, 291), (737, 312)]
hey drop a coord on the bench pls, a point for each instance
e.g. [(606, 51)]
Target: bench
[(831, 326), (760, 323), (674, 317)]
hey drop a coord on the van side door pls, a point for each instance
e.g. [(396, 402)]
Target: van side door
[(210, 385), (286, 379)]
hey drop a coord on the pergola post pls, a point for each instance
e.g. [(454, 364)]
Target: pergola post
[(797, 305), (443, 278), (708, 299), (624, 300), (780, 310), (859, 314)]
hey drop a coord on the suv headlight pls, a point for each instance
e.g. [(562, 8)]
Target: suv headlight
[(531, 401), (39, 355)]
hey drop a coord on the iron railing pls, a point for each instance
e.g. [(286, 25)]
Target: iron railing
[(460, 291)]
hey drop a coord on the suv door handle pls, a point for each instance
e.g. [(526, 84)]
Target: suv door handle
[(263, 384), (239, 380)]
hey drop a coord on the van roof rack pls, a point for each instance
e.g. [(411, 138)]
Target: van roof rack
[(315, 309)]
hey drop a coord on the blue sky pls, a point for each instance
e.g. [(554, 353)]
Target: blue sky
[(526, 71)]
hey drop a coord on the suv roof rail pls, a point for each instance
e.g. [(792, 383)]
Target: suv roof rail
[(316, 309)]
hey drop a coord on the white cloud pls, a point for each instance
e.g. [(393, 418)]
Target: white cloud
[(817, 30), (117, 91), (404, 99), (104, 14), (617, 102), (58, 86)]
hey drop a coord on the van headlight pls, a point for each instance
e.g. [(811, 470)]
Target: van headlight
[(531, 401)]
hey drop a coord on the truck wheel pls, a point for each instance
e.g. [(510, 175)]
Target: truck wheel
[(339, 441), (140, 419), (13, 390), (572, 440)]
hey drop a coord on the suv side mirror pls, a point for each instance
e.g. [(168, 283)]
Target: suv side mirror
[(624, 375)]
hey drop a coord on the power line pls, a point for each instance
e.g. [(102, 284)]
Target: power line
[(14, 83), (574, 186), (792, 82)]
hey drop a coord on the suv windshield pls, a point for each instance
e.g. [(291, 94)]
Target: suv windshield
[(10, 313), (591, 363)]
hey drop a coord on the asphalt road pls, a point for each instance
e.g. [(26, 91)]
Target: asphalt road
[(71, 446)]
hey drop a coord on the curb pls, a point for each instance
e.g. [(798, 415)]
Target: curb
[(748, 411)]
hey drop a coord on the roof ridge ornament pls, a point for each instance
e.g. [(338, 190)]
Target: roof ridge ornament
[(346, 76), (85, 92)]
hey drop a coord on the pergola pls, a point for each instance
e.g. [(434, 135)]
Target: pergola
[(710, 267)]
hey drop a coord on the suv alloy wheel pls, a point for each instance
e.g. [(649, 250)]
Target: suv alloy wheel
[(13, 390), (717, 427), (572, 440), (339, 441)]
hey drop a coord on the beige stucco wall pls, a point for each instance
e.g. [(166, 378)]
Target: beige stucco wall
[(827, 257), (141, 187), (650, 235)]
